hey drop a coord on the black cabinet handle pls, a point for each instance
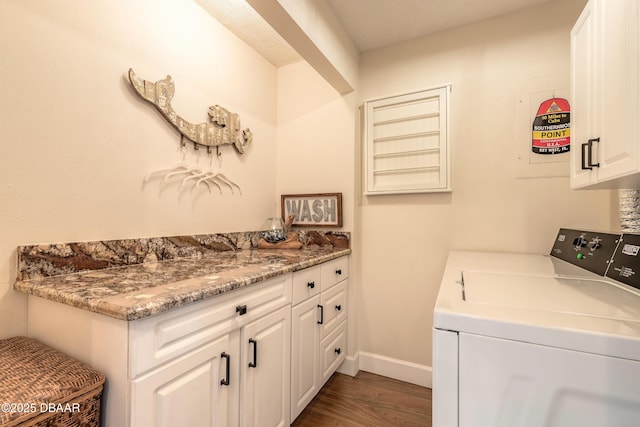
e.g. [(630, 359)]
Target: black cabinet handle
[(225, 381), (338, 307), (337, 350), (321, 321), (583, 157), (338, 272), (254, 364), (587, 155), (311, 285), (590, 153), (241, 309)]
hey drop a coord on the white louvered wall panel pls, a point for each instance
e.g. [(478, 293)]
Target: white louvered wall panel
[(407, 143)]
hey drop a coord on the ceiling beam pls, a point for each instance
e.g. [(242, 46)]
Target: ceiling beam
[(302, 40)]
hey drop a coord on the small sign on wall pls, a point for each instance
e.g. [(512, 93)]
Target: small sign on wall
[(313, 210), (542, 129), (551, 130)]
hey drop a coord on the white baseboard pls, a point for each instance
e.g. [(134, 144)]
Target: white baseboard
[(401, 370), (350, 365)]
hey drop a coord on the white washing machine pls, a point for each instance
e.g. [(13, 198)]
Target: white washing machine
[(534, 340)]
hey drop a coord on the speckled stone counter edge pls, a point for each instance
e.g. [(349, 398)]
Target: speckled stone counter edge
[(46, 260), (138, 291)]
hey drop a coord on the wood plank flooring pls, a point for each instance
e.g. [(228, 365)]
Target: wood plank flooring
[(367, 400)]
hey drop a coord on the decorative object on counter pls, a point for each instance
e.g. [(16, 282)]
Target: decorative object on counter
[(56, 259), (274, 237), (273, 230), (336, 239), (222, 130), (629, 210), (313, 210)]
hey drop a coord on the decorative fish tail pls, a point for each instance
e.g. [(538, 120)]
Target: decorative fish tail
[(223, 129)]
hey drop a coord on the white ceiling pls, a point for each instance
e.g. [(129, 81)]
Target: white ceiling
[(371, 24)]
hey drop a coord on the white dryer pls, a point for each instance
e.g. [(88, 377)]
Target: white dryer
[(534, 340)]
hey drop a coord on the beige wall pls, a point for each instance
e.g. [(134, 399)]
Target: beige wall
[(405, 238), (317, 154), (77, 142), (316, 130)]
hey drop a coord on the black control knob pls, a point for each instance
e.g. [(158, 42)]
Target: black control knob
[(594, 245), (579, 242)]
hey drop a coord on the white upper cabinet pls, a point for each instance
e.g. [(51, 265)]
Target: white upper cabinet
[(407, 143), (605, 96)]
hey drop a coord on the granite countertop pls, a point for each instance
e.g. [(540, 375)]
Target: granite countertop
[(137, 291)]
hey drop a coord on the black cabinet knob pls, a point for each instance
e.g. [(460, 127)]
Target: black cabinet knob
[(311, 285), (337, 350), (338, 272), (338, 307), (241, 309)]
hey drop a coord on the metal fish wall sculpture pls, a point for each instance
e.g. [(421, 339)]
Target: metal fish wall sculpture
[(223, 129)]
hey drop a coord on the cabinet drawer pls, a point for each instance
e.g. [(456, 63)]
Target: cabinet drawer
[(306, 283), (334, 307), (334, 271), (334, 351), (158, 339)]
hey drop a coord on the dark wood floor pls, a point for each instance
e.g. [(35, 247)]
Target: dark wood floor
[(367, 400)]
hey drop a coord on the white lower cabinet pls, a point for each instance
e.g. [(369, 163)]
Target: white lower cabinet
[(334, 351), (199, 389), (305, 354), (234, 360), (318, 329), (239, 378), (265, 370)]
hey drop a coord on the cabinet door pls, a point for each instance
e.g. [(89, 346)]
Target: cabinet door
[(305, 354), (189, 390), (618, 66), (583, 94), (605, 94), (265, 370)]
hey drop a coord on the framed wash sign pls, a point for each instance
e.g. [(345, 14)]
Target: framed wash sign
[(313, 210)]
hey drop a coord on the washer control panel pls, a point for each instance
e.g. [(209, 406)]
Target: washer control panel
[(625, 264), (587, 249)]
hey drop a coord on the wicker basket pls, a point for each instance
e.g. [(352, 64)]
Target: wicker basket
[(40, 386)]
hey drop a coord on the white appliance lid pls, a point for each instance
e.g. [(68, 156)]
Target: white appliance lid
[(580, 296), (538, 299)]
